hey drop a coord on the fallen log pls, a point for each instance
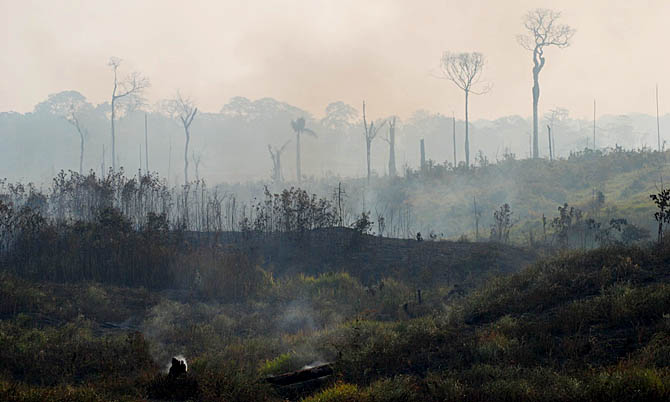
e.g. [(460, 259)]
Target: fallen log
[(302, 375)]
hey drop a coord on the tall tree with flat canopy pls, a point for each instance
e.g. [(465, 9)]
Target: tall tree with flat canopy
[(370, 134), (298, 126), (543, 30), (131, 86), (69, 105), (184, 110), (465, 71)]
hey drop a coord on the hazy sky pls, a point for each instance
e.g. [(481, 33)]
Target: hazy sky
[(311, 52)]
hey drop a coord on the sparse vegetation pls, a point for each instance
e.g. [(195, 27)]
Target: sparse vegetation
[(346, 278), (99, 304)]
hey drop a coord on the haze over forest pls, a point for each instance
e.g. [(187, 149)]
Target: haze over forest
[(335, 201), (252, 69)]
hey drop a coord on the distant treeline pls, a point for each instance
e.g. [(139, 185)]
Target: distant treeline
[(232, 145)]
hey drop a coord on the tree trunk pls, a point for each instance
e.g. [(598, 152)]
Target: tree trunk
[(467, 133), (551, 153), (81, 153), (423, 155), (278, 174), (297, 157), (113, 137), (658, 123), (368, 144), (594, 124), (169, 171), (453, 132), (536, 99), (392, 168), (146, 145), (553, 144), (188, 138)]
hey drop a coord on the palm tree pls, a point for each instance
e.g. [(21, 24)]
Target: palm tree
[(298, 126)]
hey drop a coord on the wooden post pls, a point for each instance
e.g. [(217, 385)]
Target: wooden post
[(146, 145), (658, 124), (423, 156), (594, 124), (551, 155)]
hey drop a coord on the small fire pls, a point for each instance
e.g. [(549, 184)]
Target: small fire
[(182, 359), (177, 365), (313, 364)]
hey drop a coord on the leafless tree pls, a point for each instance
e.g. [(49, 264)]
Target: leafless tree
[(69, 105), (275, 154), (554, 117), (184, 110), (543, 30), (465, 71), (370, 134), (197, 160), (298, 126), (391, 141), (72, 118), (128, 88)]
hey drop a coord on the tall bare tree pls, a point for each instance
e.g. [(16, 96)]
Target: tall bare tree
[(391, 141), (184, 110), (69, 105), (370, 134), (131, 86), (543, 30), (275, 154), (298, 126), (197, 160), (465, 71), (74, 120)]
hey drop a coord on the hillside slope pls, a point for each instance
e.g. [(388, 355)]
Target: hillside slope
[(584, 326), (579, 326), (372, 258)]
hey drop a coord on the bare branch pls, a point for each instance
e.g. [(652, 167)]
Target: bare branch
[(182, 109), (543, 30), (464, 70)]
